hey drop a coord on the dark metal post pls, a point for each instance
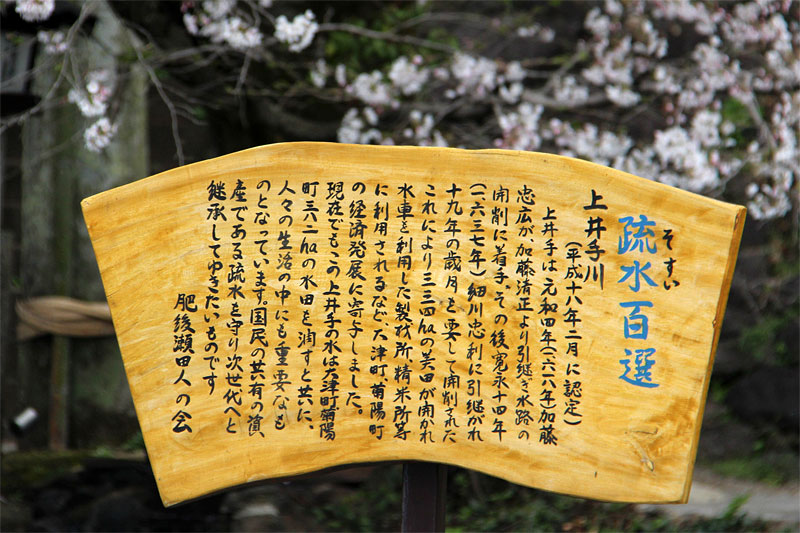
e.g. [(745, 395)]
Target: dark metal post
[(424, 489)]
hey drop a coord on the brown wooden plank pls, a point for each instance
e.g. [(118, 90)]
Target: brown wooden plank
[(631, 435)]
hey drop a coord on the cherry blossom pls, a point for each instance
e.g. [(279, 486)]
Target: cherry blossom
[(476, 75), (537, 31), (690, 93), (55, 42), (98, 136), (355, 129), (521, 128), (340, 74), (622, 96), (92, 99), (371, 89), (568, 89), (35, 10), (319, 74), (406, 76), (422, 130), (298, 33), (219, 21)]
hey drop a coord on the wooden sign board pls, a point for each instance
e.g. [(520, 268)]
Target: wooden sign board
[(299, 306)]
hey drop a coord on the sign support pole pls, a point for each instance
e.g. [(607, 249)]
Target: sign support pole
[(424, 502)]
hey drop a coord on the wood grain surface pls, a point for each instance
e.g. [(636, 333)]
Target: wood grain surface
[(538, 318)]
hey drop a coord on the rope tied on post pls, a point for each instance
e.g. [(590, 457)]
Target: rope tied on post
[(59, 315)]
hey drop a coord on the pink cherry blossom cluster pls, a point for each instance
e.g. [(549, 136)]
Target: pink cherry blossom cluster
[(55, 42), (224, 21), (221, 22), (35, 10), (298, 33), (630, 67), (694, 94), (98, 136), (92, 100)]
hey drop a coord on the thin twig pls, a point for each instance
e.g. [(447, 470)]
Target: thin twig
[(173, 113), (7, 56), (258, 10), (755, 113), (86, 9), (571, 62), (186, 53), (386, 36), (242, 74), (539, 98), (444, 17), (637, 110)]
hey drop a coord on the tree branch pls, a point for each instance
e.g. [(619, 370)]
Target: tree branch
[(86, 10), (539, 98), (386, 36), (164, 97)]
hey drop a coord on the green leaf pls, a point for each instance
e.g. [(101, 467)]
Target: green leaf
[(736, 112)]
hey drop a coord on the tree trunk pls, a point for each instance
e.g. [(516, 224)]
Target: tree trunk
[(83, 378)]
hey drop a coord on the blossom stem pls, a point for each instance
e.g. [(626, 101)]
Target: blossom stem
[(386, 36)]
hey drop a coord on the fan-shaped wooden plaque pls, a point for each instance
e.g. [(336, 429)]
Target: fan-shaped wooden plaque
[(299, 306)]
